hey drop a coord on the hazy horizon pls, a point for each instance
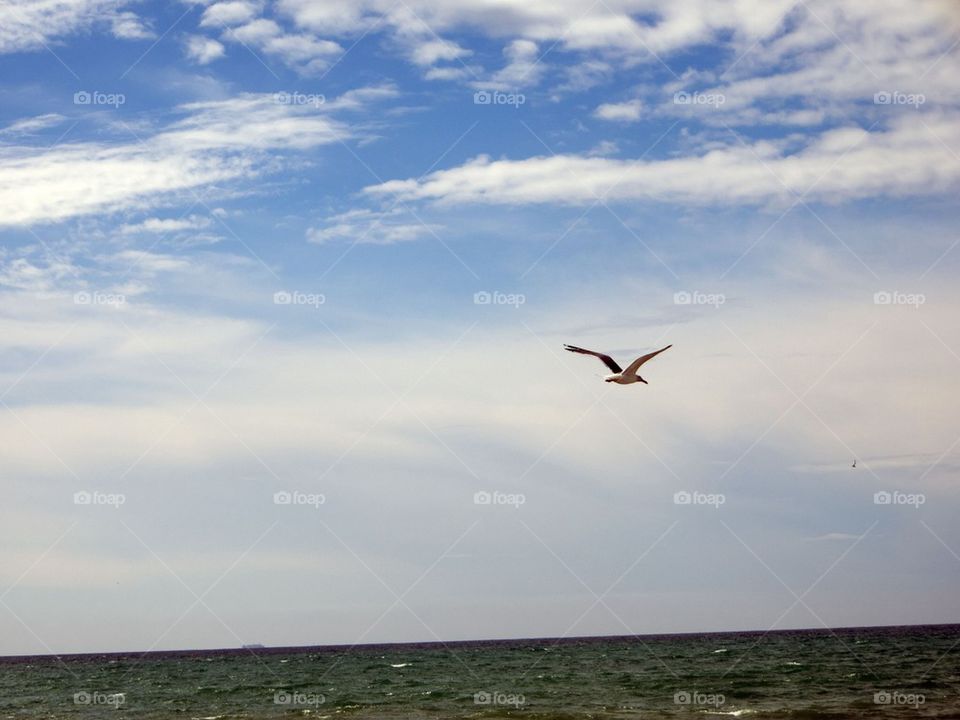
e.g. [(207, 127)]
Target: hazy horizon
[(440, 644)]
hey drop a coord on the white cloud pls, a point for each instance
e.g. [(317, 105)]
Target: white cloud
[(31, 125), (841, 164), (167, 225), (297, 49), (203, 50), (769, 51), (23, 274), (360, 98), (432, 50), (621, 112), (584, 75), (149, 263), (302, 51), (450, 73), (679, 24), (255, 32), (128, 26), (235, 12), (368, 227), (213, 142), (604, 148), (523, 67), (32, 25)]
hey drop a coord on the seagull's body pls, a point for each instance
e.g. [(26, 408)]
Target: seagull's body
[(621, 376)]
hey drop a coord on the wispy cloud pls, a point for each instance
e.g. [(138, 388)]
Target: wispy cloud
[(203, 50), (841, 164), (32, 25), (372, 227), (622, 112), (209, 142), (28, 126), (167, 225)]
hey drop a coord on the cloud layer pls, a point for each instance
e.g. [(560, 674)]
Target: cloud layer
[(842, 164)]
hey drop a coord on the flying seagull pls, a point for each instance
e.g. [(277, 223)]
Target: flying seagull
[(620, 375)]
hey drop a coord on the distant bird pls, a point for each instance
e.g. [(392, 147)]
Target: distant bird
[(854, 463), (621, 376)]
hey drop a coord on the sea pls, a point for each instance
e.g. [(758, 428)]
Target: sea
[(887, 673)]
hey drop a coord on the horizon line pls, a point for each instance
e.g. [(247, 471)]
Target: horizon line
[(256, 648)]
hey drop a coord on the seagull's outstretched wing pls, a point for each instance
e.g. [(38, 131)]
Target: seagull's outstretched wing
[(607, 360), (635, 365)]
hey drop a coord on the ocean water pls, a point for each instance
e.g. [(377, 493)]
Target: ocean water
[(908, 672)]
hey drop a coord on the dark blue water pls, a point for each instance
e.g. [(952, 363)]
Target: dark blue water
[(910, 672)]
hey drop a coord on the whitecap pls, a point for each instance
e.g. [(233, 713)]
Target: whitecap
[(399, 665)]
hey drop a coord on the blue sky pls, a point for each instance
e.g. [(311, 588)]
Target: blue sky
[(334, 249)]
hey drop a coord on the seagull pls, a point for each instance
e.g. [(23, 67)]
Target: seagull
[(620, 376)]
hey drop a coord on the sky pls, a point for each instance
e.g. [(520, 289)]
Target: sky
[(284, 287)]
